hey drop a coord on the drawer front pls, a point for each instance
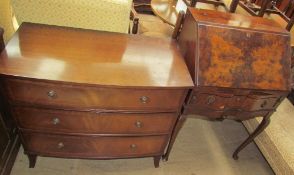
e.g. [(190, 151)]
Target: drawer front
[(49, 94), (95, 123), (259, 103), (233, 113), (93, 147), (206, 113), (215, 101), (245, 115)]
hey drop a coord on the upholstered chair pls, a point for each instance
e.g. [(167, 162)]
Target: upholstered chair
[(6, 19), (105, 15)]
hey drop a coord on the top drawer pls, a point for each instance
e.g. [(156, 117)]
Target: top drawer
[(70, 96), (222, 101)]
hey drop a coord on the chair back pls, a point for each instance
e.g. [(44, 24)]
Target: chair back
[(106, 15)]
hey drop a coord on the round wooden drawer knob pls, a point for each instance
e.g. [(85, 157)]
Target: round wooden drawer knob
[(264, 103)]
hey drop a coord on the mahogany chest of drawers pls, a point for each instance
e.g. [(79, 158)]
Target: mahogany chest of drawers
[(240, 66), (87, 94)]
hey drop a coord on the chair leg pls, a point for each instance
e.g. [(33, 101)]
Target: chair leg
[(135, 25), (290, 23), (264, 6), (2, 45), (135, 19), (193, 3), (233, 5), (178, 25)]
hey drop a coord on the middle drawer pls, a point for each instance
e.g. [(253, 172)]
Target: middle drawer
[(62, 121)]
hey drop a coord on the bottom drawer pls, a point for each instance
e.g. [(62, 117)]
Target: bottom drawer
[(245, 115), (208, 113), (93, 146)]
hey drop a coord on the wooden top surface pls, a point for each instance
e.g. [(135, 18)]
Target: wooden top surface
[(236, 20), (93, 57)]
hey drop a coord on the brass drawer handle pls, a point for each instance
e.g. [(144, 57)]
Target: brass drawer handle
[(60, 145), (210, 99), (138, 124), (264, 103), (144, 99), (56, 121), (133, 147), (52, 94)]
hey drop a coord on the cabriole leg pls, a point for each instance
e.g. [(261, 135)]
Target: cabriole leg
[(264, 123)]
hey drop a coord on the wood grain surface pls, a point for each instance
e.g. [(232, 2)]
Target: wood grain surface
[(93, 57), (235, 51)]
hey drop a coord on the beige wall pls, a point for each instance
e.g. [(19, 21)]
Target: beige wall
[(6, 19)]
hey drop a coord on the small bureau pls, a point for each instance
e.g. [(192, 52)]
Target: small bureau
[(77, 93), (240, 66)]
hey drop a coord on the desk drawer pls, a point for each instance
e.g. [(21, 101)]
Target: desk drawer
[(259, 103), (215, 101), (95, 123), (203, 112), (218, 101), (232, 113), (68, 96), (93, 147)]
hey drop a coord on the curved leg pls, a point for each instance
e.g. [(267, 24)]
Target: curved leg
[(264, 123), (156, 160), (176, 130), (32, 160)]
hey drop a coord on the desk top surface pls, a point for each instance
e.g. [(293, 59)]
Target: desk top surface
[(93, 57)]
